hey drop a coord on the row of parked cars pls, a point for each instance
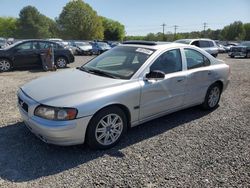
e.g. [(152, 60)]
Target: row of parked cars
[(86, 47), (215, 47), (27, 53)]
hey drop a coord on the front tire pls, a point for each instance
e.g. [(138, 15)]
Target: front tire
[(248, 55), (106, 128), (212, 97), (5, 65), (61, 62)]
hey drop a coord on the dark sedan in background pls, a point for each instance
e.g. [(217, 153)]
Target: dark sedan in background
[(242, 50), (27, 53)]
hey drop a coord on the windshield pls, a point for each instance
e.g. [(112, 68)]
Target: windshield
[(121, 62), (102, 44), (82, 44), (245, 44)]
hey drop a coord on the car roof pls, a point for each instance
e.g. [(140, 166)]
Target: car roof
[(153, 45)]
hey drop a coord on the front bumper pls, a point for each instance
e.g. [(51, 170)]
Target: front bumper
[(237, 54), (54, 132)]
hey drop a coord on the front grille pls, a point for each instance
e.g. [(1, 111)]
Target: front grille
[(23, 104), (238, 49)]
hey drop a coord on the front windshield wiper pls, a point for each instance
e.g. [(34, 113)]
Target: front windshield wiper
[(96, 71)]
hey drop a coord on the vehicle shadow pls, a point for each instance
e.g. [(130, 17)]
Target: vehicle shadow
[(23, 157)]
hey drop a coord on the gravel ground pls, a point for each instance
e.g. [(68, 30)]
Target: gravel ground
[(190, 148)]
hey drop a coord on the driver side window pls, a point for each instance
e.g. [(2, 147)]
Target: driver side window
[(168, 62), (25, 46)]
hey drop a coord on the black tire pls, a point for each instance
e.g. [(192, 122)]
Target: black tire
[(232, 56), (215, 55), (5, 65), (207, 104), (61, 62), (92, 133)]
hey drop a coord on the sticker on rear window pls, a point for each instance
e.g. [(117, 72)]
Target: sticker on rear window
[(145, 51)]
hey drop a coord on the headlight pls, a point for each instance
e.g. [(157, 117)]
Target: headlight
[(54, 113)]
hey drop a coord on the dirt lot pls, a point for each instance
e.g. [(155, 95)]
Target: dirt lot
[(190, 148)]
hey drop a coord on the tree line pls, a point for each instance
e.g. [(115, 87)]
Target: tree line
[(76, 21), (237, 31)]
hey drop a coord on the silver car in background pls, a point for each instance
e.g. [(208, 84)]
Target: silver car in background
[(208, 45), (128, 85)]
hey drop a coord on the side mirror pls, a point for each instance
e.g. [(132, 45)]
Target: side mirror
[(155, 75)]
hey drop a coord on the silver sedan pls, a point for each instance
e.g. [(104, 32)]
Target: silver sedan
[(132, 83)]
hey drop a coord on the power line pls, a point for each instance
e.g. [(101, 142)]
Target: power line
[(163, 27), (204, 25), (175, 28)]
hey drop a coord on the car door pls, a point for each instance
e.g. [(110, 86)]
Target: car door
[(167, 94), (25, 55), (199, 76)]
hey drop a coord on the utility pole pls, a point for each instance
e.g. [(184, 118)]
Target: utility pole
[(175, 28), (204, 25), (163, 29)]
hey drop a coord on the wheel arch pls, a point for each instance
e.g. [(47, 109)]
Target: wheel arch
[(124, 108)]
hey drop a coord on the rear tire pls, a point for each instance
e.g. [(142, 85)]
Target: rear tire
[(212, 97), (61, 62), (106, 128)]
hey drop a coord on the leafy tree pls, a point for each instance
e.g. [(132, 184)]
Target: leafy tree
[(247, 30), (79, 21), (234, 31), (113, 30), (32, 24), (8, 27)]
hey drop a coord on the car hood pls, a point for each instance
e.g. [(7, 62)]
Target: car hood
[(69, 88)]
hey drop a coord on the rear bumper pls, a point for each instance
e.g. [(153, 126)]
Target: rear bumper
[(71, 58)]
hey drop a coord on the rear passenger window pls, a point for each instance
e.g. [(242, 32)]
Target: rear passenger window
[(195, 59), (168, 62), (196, 43), (204, 44)]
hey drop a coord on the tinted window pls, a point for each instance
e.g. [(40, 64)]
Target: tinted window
[(204, 44), (195, 59), (168, 62), (196, 43)]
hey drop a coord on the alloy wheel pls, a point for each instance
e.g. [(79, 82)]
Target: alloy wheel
[(4, 65), (109, 129), (61, 62), (213, 97)]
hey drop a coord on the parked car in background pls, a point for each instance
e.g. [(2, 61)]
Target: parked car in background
[(2, 42), (206, 44), (28, 53), (100, 47), (221, 48), (83, 48), (124, 87), (229, 45), (242, 50)]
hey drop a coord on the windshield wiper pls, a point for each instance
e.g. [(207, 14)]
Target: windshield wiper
[(96, 71)]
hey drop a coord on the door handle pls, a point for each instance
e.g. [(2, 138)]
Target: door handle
[(209, 73)]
